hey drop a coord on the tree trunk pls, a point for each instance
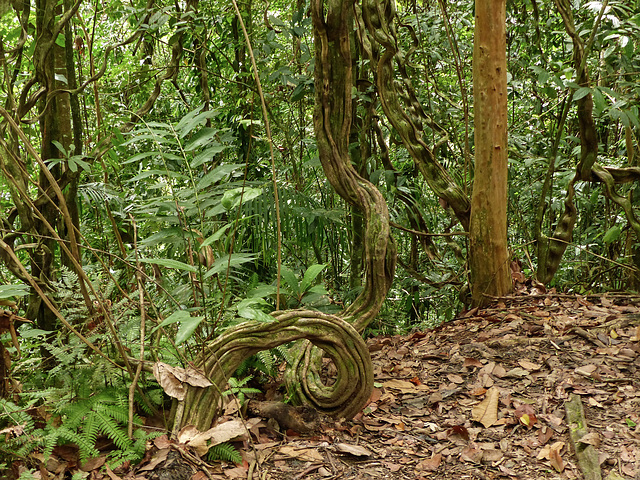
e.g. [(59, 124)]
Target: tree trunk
[(489, 257)]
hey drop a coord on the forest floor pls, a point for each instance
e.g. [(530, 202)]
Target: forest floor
[(481, 397)]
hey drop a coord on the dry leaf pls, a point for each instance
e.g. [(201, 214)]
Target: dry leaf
[(472, 362), (171, 379), (459, 430), (591, 438), (517, 372), (167, 379), (393, 467), (472, 454), (356, 450), (431, 464), (202, 441), (491, 455), (556, 460), (526, 415), (586, 370), (187, 433), (219, 434), (529, 365), (404, 387), (302, 454), (486, 412)]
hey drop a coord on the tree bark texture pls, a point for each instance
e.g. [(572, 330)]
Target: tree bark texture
[(489, 257)]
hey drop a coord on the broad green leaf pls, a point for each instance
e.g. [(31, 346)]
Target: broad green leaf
[(175, 317), (220, 265), (599, 102), (139, 156), (201, 139), (150, 173), (171, 235), (249, 308), (232, 198), (207, 155), (33, 332), (262, 291), (581, 92), (310, 275), (217, 174), (612, 234), (216, 236), (17, 290), (166, 262), (194, 119), (187, 327), (290, 280)]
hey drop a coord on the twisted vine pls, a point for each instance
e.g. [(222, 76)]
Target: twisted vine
[(337, 335), (337, 338), (400, 104)]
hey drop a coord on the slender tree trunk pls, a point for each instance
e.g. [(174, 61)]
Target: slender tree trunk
[(489, 257)]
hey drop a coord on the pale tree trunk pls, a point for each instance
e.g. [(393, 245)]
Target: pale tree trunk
[(489, 258)]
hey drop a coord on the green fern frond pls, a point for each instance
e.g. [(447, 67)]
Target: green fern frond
[(224, 451), (110, 428), (266, 362), (86, 448), (15, 415)]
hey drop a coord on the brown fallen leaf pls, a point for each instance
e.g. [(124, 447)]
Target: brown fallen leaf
[(171, 379), (302, 454), (356, 450), (472, 454), (526, 415), (404, 387), (393, 467), (591, 438), (459, 430), (431, 464), (586, 370), (203, 441), (486, 412), (526, 364), (472, 362), (556, 460)]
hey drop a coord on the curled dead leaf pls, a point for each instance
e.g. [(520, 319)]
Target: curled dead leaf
[(171, 379)]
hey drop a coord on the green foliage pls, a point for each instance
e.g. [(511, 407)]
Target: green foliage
[(239, 388), (224, 451)]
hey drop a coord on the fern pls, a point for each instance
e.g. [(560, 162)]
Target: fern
[(224, 451)]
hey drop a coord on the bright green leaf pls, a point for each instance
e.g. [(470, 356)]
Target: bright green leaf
[(612, 234), (166, 262), (310, 275)]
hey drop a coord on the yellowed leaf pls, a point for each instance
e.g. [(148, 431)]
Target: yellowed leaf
[(486, 412)]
